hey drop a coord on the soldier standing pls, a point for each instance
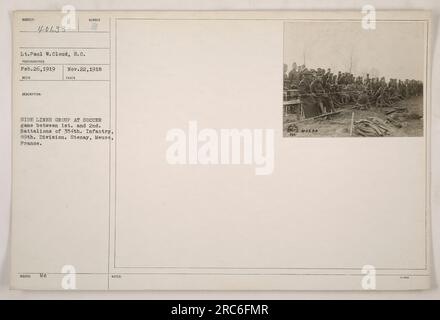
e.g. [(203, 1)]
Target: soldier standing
[(293, 77)]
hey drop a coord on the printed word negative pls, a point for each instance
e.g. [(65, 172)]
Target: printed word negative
[(222, 147)]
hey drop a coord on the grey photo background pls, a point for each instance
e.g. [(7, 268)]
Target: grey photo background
[(7, 6), (392, 50)]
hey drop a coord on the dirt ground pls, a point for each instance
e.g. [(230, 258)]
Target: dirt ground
[(338, 125)]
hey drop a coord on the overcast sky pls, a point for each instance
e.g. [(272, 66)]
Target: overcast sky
[(394, 49)]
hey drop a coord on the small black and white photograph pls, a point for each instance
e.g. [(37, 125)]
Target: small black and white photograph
[(341, 79)]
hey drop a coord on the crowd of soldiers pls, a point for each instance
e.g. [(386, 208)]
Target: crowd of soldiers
[(332, 90)]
